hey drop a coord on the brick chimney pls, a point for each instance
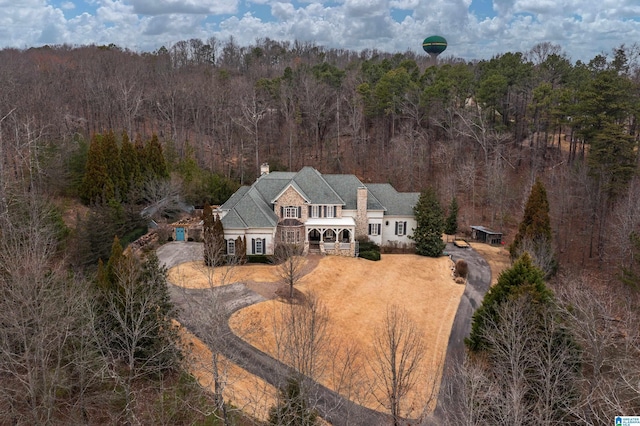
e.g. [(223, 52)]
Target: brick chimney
[(264, 169)]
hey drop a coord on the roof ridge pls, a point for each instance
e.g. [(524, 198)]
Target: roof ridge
[(327, 183)]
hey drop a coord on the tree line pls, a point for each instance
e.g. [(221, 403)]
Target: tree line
[(479, 131)]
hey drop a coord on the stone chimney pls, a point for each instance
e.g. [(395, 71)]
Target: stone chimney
[(264, 169), (361, 212)]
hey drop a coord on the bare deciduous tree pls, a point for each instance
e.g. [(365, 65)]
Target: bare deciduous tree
[(302, 336), (398, 351), (42, 316), (134, 330), (542, 254), (290, 265)]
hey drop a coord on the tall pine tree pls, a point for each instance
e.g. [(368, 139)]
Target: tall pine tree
[(130, 165), (523, 277), (156, 163), (451, 226), (96, 184), (430, 225), (534, 233)]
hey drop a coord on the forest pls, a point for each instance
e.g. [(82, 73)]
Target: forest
[(92, 135)]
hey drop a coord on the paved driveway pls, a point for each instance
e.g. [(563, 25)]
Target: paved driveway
[(478, 282), (331, 406)]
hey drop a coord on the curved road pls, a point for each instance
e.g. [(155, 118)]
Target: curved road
[(330, 405), (478, 282)]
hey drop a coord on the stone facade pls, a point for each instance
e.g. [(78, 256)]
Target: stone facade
[(361, 213), (290, 197)]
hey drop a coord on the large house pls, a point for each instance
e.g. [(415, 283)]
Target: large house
[(323, 213)]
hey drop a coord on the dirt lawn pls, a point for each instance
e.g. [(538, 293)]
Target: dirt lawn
[(497, 257), (356, 293)]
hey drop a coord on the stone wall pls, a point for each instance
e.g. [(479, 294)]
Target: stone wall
[(290, 197), (361, 213)]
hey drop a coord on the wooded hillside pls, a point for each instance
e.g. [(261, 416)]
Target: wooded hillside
[(479, 131), (121, 131)]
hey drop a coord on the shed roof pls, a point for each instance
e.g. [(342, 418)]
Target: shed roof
[(485, 230)]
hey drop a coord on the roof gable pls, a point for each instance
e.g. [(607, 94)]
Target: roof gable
[(292, 184), (318, 191), (251, 211)]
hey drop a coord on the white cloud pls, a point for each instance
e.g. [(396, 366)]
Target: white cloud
[(283, 11), (583, 28), (197, 7)]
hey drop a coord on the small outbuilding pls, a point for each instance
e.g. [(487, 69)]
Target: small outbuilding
[(484, 235)]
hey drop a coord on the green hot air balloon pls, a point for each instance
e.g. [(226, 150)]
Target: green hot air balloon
[(434, 46)]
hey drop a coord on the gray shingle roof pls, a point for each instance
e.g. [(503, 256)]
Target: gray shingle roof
[(316, 188), (251, 206), (233, 200), (346, 186), (251, 211), (396, 203)]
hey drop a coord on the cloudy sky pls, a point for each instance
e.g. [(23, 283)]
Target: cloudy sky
[(474, 29)]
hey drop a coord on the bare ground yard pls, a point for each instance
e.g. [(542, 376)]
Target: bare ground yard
[(356, 293), (243, 390), (497, 257)]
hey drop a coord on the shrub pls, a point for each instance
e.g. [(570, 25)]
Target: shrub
[(258, 258), (366, 245), (370, 255), (462, 268)]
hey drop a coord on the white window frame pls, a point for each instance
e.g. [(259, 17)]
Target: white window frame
[(401, 229), (258, 246), (374, 228), (331, 211), (231, 247), (291, 212), (315, 212)]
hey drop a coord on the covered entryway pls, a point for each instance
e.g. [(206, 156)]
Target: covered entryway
[(330, 236)]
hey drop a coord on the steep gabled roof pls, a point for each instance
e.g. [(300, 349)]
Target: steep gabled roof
[(233, 200), (316, 188), (296, 187), (396, 203), (251, 211), (252, 206)]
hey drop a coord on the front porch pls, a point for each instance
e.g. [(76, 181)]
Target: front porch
[(333, 236)]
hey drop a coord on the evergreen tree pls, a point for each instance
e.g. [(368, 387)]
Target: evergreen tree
[(113, 164), (154, 158), (451, 227), (130, 165), (213, 235), (135, 311), (292, 408), (523, 277), (534, 233), (631, 272), (141, 155), (430, 225), (96, 184), (241, 249)]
